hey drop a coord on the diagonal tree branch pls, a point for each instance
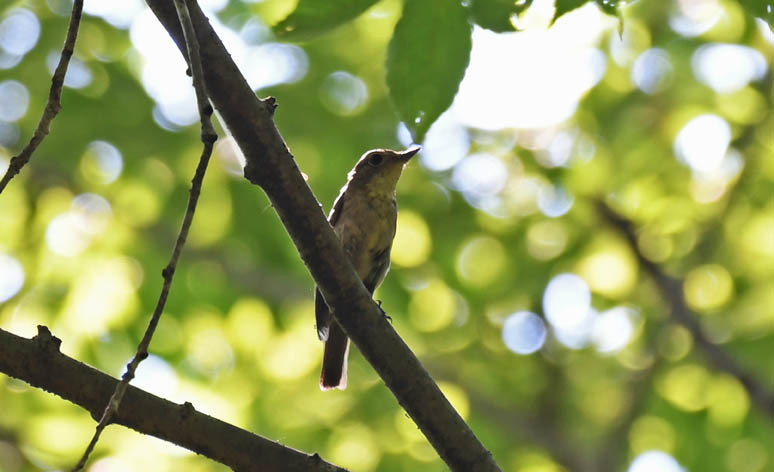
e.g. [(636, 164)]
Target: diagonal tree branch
[(270, 165), (54, 95), (38, 362), (680, 313), (611, 454), (208, 138)]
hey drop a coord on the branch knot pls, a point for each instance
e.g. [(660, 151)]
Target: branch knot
[(46, 341)]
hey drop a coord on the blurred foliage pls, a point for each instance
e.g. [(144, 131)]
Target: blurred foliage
[(310, 18), (91, 220)]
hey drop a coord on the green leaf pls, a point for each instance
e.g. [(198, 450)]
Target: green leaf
[(611, 7), (426, 60), (608, 6), (566, 6), (763, 9), (496, 15), (312, 18)]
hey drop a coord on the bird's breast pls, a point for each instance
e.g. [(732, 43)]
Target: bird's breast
[(365, 227)]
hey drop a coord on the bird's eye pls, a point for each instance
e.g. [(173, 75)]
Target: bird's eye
[(375, 159)]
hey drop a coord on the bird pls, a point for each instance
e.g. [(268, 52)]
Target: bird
[(364, 217)]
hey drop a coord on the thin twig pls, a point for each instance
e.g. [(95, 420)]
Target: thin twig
[(673, 293), (208, 138), (195, 66), (54, 95)]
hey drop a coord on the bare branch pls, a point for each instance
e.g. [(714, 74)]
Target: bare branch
[(270, 165), (208, 138), (54, 95), (195, 68), (680, 313), (535, 426), (611, 454), (38, 362), (538, 430)]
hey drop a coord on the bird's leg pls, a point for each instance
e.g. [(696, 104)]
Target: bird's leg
[(384, 313)]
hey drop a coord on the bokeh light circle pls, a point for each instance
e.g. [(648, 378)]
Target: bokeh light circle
[(567, 301), (524, 332), (655, 461), (11, 277)]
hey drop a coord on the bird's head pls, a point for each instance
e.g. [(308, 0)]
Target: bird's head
[(378, 170)]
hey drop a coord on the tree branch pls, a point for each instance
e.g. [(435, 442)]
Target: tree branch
[(533, 426), (38, 362), (611, 454), (208, 138), (270, 165), (53, 105), (673, 292)]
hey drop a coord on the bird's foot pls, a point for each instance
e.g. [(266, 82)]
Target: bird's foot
[(384, 313)]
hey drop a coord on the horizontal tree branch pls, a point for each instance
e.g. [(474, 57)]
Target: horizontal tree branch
[(270, 165), (39, 362), (672, 290)]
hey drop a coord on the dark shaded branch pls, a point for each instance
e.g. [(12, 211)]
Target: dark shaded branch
[(208, 138), (672, 291), (270, 165), (536, 427), (38, 362), (54, 95), (612, 453), (543, 427)]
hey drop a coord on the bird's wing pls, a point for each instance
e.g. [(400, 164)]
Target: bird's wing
[(321, 311), (338, 205), (380, 264)]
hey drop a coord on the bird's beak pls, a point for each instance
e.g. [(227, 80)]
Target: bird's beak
[(408, 153)]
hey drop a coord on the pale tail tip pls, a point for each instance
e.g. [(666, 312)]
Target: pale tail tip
[(325, 388)]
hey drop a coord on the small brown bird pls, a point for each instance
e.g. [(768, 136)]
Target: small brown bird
[(363, 217)]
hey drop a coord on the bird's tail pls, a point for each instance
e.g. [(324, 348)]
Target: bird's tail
[(334, 365)]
